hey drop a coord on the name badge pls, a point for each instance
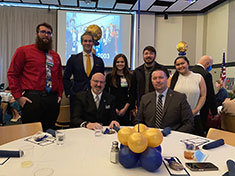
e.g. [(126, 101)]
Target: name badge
[(49, 60), (107, 106), (123, 82)]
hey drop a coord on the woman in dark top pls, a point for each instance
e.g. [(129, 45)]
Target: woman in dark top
[(118, 83), (222, 93)]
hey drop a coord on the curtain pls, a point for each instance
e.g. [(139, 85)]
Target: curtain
[(18, 28)]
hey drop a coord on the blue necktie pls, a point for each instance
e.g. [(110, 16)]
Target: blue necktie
[(158, 118), (49, 64)]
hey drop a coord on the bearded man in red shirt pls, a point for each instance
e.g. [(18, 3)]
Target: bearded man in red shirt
[(35, 79)]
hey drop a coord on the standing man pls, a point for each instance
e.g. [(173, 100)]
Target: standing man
[(35, 79), (94, 107), (82, 66), (165, 107), (203, 67), (141, 79)]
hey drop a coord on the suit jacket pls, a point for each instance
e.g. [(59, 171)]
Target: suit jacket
[(210, 93), (76, 68), (85, 109), (177, 113), (137, 89)]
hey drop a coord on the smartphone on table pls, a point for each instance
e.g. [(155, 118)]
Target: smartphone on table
[(201, 166)]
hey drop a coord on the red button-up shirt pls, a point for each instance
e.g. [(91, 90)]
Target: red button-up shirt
[(28, 71)]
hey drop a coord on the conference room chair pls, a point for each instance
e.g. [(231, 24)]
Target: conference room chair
[(13, 132), (228, 122), (229, 137), (63, 119)]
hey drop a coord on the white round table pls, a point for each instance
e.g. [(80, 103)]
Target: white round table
[(84, 154)]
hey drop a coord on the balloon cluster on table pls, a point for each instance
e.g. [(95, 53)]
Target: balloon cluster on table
[(140, 146)]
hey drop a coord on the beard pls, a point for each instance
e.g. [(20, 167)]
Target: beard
[(149, 62), (43, 46)]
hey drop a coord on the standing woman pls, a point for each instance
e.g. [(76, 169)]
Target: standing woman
[(193, 86), (118, 83)]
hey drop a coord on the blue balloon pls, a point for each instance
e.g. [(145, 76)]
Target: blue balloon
[(151, 159), (127, 158), (121, 146), (159, 148)]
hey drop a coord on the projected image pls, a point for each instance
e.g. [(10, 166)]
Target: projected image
[(109, 45)]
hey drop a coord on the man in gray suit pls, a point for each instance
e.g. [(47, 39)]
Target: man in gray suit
[(174, 110)]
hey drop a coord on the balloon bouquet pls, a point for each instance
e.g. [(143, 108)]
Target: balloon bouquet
[(140, 145)]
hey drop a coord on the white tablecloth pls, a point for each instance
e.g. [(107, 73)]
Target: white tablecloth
[(84, 154)]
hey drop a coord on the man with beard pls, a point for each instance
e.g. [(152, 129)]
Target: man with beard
[(81, 66), (141, 79), (35, 79), (94, 107)]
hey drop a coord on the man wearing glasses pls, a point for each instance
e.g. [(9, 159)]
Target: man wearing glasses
[(81, 66), (94, 108), (35, 79)]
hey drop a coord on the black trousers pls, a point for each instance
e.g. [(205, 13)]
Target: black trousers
[(44, 108), (198, 126)]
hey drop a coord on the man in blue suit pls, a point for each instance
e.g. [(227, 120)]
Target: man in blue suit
[(81, 66)]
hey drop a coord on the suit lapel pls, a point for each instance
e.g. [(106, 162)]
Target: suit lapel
[(90, 100), (169, 97), (82, 63)]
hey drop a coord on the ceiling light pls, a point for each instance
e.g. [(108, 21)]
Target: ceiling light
[(191, 1)]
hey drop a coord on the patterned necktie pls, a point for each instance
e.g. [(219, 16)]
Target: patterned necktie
[(158, 119), (97, 102), (49, 64), (88, 65)]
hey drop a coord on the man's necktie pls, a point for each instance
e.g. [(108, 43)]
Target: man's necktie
[(158, 119), (49, 64), (88, 65), (97, 102)]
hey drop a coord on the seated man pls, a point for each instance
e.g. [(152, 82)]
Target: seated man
[(165, 107), (228, 107), (94, 108)]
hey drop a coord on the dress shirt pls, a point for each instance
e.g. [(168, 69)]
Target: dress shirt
[(163, 98), (85, 59), (27, 71), (94, 95)]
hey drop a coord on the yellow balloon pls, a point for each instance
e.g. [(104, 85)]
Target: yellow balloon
[(154, 137), (137, 142), (142, 128), (182, 46), (123, 134), (95, 30)]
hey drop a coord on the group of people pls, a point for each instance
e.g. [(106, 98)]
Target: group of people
[(147, 95)]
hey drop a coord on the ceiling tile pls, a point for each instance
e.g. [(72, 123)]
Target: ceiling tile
[(13, 0), (52, 2), (123, 6), (31, 1), (178, 6), (158, 8), (69, 2), (200, 4), (144, 5), (106, 4), (87, 5)]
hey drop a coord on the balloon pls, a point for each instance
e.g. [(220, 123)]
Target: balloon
[(95, 30), (154, 137), (123, 134), (182, 46), (127, 158), (142, 128), (137, 142), (159, 148), (151, 159)]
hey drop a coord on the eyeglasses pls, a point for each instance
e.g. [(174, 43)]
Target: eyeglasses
[(97, 81), (45, 32)]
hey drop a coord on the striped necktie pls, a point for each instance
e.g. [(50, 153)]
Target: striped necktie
[(97, 102), (158, 118), (88, 65)]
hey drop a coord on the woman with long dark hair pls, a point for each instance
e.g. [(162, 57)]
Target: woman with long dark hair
[(118, 83), (193, 86)]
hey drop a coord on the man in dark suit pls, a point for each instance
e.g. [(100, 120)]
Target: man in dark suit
[(141, 79), (175, 113), (203, 67), (82, 66), (94, 108)]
